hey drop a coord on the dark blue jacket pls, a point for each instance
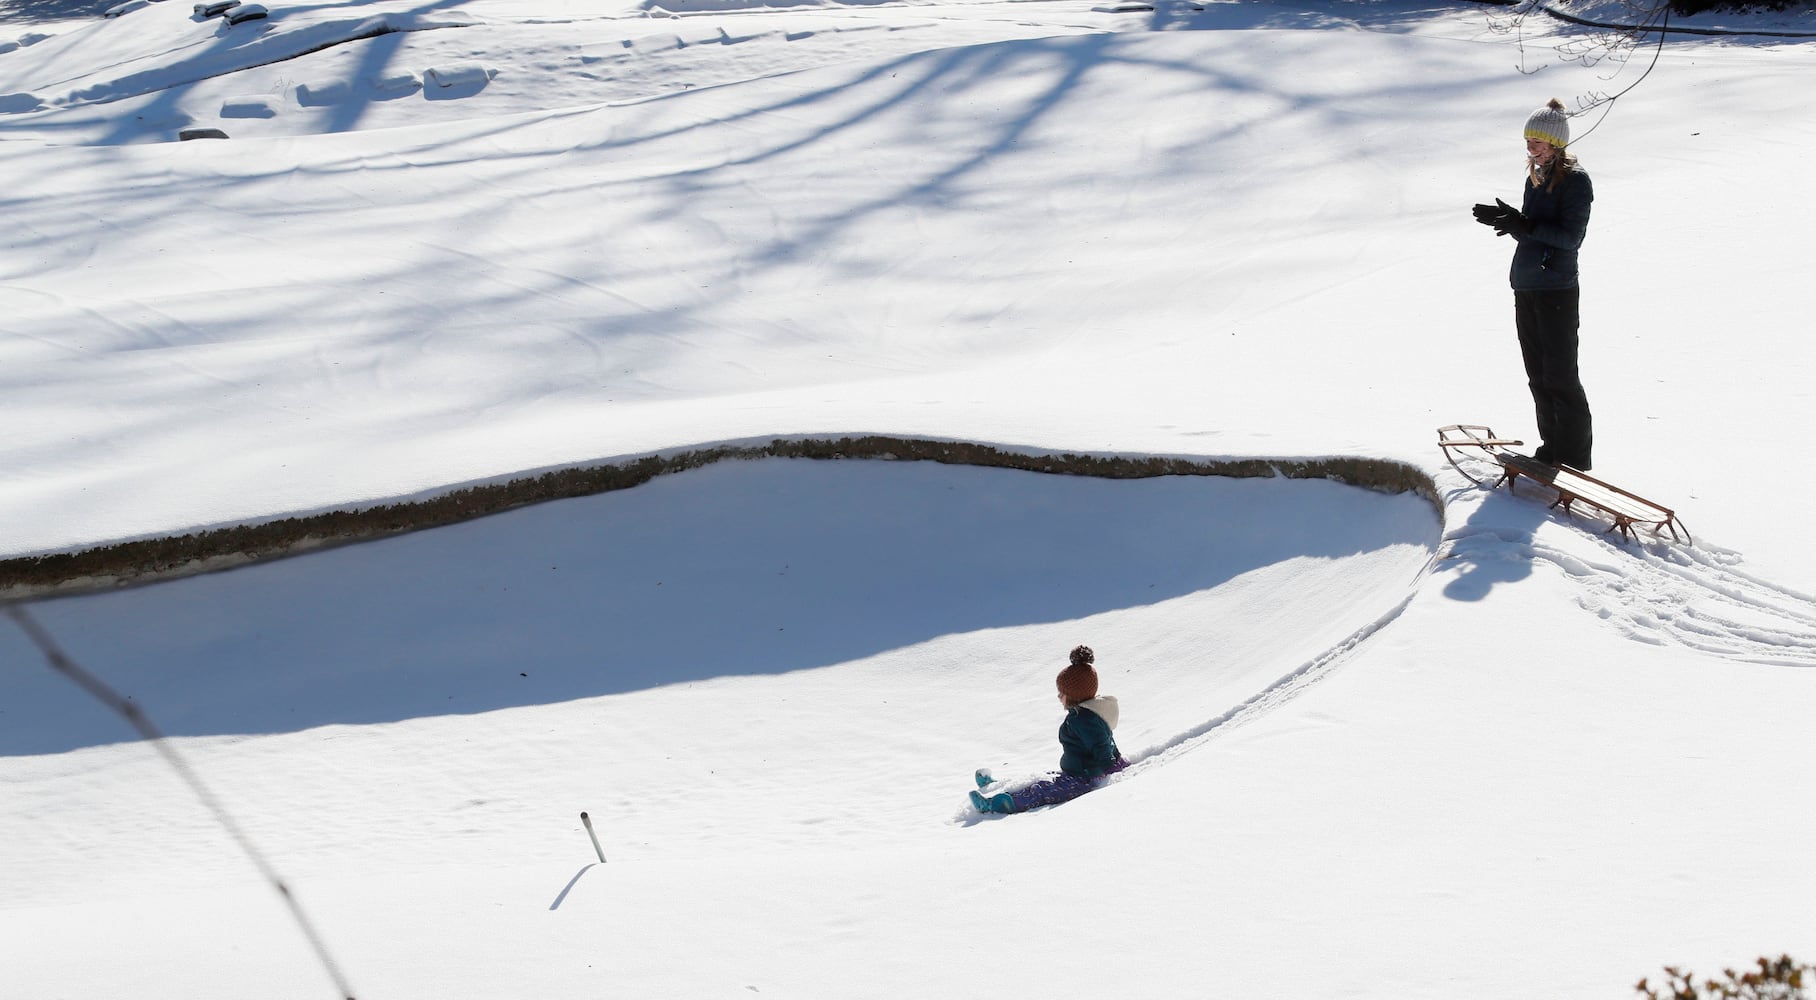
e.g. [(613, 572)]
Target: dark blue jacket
[(1560, 220), (1087, 749)]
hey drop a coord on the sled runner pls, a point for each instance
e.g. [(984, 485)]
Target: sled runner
[(1628, 511)]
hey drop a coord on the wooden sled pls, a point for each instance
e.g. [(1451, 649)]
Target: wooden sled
[(1628, 511)]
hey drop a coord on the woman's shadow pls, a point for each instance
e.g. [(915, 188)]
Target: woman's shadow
[(1511, 523)]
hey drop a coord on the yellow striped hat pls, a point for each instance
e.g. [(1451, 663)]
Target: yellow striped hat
[(1550, 124)]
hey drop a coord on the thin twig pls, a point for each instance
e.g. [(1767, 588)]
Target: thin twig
[(126, 708)]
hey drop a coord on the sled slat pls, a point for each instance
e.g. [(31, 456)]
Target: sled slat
[(1627, 510)]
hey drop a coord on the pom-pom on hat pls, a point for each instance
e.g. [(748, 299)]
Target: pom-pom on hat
[(1078, 682), (1549, 124)]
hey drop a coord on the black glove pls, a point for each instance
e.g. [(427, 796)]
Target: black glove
[(1511, 220), (1504, 218)]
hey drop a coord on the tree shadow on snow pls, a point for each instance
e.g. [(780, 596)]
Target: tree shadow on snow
[(40, 11), (948, 105)]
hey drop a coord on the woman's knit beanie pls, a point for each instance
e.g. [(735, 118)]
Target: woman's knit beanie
[(1550, 124), (1078, 682)]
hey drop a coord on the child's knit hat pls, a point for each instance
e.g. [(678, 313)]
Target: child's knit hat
[(1550, 124), (1078, 682)]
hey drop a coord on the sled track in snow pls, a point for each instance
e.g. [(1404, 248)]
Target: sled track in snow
[(1659, 592), (1269, 698), (1695, 598)]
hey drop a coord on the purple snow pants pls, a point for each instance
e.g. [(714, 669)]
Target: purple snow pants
[(1057, 789)]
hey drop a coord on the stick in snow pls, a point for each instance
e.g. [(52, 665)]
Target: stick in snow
[(588, 822)]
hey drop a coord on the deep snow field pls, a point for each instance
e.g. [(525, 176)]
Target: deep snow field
[(1381, 749)]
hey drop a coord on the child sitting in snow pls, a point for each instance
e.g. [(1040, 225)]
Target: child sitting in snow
[(1087, 745)]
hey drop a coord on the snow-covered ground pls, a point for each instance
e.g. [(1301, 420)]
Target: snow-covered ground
[(1380, 752)]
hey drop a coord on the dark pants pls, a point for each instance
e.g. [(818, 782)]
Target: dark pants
[(1547, 323), (1060, 788)]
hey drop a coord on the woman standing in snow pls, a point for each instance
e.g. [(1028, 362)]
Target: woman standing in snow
[(1547, 229), (1086, 740)]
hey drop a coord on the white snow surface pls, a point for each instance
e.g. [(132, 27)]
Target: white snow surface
[(1380, 750)]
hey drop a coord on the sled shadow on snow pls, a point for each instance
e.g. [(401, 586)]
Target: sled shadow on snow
[(739, 568)]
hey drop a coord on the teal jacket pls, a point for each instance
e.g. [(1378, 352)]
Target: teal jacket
[(1086, 739)]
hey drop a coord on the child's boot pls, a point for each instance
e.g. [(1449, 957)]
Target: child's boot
[(984, 778), (999, 803)]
